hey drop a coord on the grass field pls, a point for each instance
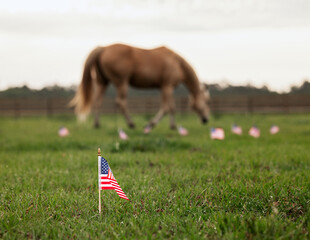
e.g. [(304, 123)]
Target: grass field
[(180, 187)]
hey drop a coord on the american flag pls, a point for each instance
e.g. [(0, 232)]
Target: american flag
[(254, 132), (274, 129), (63, 131), (182, 131), (147, 129), (236, 129), (217, 133), (122, 134), (107, 180)]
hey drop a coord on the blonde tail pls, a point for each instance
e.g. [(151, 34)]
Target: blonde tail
[(82, 100)]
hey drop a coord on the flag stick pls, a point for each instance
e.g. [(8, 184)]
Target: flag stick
[(99, 165)]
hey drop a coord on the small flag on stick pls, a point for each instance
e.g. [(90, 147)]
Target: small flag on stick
[(147, 129), (63, 132), (274, 129), (217, 133), (182, 131), (106, 180), (236, 129), (254, 132), (122, 134), (99, 183)]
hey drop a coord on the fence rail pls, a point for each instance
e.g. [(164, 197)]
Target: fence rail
[(150, 104)]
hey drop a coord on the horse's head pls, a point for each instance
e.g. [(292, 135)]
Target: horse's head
[(199, 103)]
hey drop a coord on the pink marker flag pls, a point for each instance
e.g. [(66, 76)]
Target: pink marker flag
[(217, 133), (254, 132), (63, 131), (182, 131), (147, 129), (122, 134), (274, 129), (236, 129)]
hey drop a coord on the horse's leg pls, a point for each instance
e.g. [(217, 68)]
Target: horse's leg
[(167, 105), (121, 100), (157, 117), (97, 103), (172, 122), (171, 110)]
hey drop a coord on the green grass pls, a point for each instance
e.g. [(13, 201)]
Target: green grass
[(180, 187)]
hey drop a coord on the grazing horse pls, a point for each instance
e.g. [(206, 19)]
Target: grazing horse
[(124, 65)]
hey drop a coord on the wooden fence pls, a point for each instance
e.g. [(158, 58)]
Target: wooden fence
[(150, 104)]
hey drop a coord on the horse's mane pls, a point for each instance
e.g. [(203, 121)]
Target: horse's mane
[(191, 80)]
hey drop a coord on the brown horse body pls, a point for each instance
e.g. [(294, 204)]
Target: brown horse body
[(124, 65)]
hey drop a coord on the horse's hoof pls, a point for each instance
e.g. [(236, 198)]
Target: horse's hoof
[(96, 125), (173, 127), (131, 125), (204, 120)]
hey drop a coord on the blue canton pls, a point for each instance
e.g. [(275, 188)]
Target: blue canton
[(104, 166)]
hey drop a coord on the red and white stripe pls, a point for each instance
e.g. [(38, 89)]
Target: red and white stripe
[(118, 189), (63, 132), (147, 130), (254, 132), (218, 133), (182, 131), (274, 129), (105, 182), (108, 182), (236, 130), (122, 135)]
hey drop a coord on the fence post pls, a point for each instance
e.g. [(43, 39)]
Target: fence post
[(148, 106), (285, 103), (16, 109), (250, 104), (49, 107), (216, 106), (184, 105)]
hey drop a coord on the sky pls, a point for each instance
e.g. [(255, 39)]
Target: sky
[(238, 42)]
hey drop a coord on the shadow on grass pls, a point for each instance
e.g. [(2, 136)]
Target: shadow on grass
[(142, 145), (152, 145), (49, 146)]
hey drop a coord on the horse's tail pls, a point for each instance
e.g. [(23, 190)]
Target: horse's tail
[(83, 99)]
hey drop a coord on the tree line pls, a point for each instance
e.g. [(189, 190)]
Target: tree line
[(215, 90)]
